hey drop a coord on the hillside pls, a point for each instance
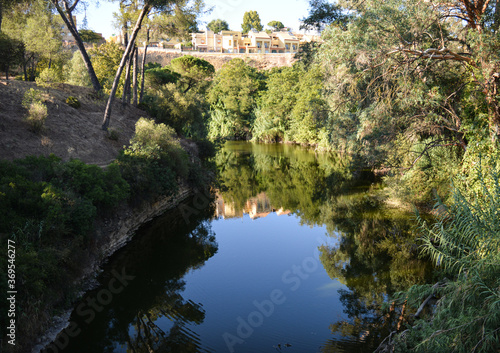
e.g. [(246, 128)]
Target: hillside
[(69, 132)]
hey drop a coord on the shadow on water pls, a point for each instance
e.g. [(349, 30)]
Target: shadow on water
[(141, 286), (369, 254)]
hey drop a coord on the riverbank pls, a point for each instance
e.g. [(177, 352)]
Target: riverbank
[(72, 194), (114, 233)]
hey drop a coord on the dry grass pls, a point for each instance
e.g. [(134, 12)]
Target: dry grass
[(67, 132)]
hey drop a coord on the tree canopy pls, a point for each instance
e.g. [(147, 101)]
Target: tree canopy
[(90, 36), (276, 25), (322, 13), (192, 70), (218, 25), (251, 19)]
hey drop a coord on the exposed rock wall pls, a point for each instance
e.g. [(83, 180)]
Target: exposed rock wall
[(121, 228), (259, 61), (113, 233)]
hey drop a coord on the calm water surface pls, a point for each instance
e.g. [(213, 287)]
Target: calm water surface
[(292, 255)]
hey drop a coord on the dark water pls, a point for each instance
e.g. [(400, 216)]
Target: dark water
[(292, 255)]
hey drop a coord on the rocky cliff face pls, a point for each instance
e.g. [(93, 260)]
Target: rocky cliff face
[(120, 229), (113, 233)]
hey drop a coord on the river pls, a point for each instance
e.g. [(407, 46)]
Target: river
[(292, 254)]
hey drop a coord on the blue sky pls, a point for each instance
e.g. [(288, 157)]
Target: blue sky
[(289, 12)]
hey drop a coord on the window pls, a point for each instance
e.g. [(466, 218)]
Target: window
[(294, 47), (287, 46), (266, 45), (259, 44)]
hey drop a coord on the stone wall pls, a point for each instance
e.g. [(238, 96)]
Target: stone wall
[(259, 61)]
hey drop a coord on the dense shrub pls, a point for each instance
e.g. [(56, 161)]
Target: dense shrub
[(48, 77), (73, 102), (64, 196), (157, 77), (37, 110), (464, 243), (48, 208), (153, 160), (184, 111)]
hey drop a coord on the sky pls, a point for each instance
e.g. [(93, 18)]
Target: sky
[(289, 12)]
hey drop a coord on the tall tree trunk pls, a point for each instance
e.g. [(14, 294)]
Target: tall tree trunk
[(496, 16), (125, 34), (25, 71), (143, 69), (107, 113), (125, 43), (126, 83), (1, 15), (134, 78), (67, 17), (129, 69)]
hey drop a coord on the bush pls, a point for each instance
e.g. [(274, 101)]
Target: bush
[(73, 102), (48, 77), (206, 149), (184, 111), (113, 134), (464, 243), (153, 160), (37, 111), (157, 77), (76, 72)]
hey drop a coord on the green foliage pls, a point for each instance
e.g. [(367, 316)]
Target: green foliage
[(427, 170), (233, 93), (276, 25), (226, 125), (185, 112), (218, 25), (176, 95), (106, 60), (89, 36), (464, 241), (11, 50), (193, 70), (105, 189), (37, 110), (179, 19), (64, 196), (34, 25), (153, 160), (292, 107), (48, 77), (75, 71), (48, 208), (73, 102), (251, 20), (322, 13), (155, 78)]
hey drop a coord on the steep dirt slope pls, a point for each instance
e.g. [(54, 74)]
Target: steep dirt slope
[(69, 132)]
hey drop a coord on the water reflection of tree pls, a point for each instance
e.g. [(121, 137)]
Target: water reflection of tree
[(151, 314), (375, 257), (376, 253), (294, 179)]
